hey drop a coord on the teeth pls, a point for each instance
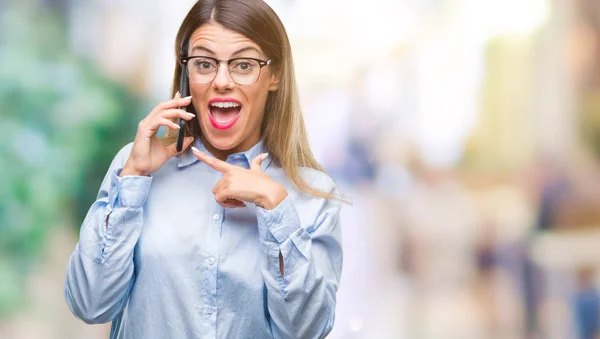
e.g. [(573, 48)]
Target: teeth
[(225, 104)]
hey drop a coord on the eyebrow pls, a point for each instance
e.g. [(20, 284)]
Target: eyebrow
[(242, 50), (202, 48), (238, 52)]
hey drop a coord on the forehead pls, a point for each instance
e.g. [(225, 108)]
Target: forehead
[(220, 39)]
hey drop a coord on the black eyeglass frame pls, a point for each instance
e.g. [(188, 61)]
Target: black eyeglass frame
[(261, 63)]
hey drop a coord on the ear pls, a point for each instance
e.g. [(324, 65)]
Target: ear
[(275, 80)]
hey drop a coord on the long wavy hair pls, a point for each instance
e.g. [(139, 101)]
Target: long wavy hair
[(283, 131)]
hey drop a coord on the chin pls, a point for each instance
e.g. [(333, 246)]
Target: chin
[(223, 143)]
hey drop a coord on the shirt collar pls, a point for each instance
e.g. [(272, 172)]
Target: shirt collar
[(187, 157)]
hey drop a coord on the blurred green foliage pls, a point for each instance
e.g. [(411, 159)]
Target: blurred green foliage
[(590, 120), (61, 123)]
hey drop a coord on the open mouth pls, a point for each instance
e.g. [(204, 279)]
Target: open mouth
[(224, 113)]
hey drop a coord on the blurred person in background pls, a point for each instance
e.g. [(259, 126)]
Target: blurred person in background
[(553, 189), (238, 235), (586, 305)]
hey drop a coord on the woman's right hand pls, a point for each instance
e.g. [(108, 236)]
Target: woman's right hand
[(148, 153)]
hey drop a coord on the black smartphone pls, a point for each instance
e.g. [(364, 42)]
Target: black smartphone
[(184, 90)]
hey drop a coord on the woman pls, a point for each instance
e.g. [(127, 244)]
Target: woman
[(238, 236)]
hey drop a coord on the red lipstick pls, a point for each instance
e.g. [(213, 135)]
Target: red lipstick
[(224, 112)]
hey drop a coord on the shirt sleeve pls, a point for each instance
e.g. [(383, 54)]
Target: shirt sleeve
[(100, 272), (301, 303)]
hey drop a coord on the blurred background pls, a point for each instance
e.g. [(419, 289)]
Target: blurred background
[(466, 132)]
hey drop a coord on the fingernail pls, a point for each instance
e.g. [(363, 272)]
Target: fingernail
[(188, 97), (177, 94), (264, 156), (191, 115), (195, 150), (177, 126)]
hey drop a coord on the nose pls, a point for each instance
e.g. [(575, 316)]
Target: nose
[(223, 80)]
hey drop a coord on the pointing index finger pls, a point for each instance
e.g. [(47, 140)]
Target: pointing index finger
[(215, 163)]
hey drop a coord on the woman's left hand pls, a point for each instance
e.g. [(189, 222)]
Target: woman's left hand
[(239, 185)]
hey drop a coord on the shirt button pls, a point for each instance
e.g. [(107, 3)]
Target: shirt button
[(211, 261), (209, 310), (216, 217)]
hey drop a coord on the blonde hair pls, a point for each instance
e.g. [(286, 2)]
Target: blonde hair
[(283, 130)]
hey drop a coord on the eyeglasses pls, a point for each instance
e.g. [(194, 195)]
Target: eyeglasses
[(204, 69)]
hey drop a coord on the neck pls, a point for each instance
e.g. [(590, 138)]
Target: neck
[(223, 154)]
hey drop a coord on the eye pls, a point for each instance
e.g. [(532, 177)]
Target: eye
[(204, 65), (243, 66)]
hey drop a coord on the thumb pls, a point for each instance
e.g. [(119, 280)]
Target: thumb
[(255, 164), (187, 141)]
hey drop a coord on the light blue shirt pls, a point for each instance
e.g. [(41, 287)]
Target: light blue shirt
[(174, 264)]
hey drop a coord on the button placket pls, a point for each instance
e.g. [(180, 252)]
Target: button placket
[(209, 264)]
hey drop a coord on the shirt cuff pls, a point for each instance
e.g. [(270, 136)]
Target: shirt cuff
[(277, 224), (129, 191)]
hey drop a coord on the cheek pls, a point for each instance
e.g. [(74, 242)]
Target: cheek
[(197, 92), (258, 98), (258, 102)]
